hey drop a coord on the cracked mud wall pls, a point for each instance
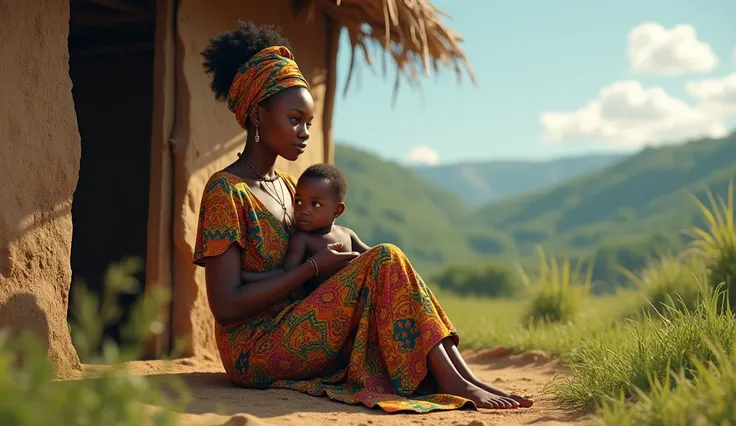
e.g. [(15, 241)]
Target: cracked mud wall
[(41, 149)]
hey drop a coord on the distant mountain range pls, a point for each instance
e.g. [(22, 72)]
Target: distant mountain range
[(483, 182), (629, 200), (622, 200)]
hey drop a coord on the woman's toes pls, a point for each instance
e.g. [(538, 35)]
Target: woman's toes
[(523, 401)]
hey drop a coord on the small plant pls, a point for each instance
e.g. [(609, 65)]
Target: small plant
[(559, 290), (716, 245), (668, 282), (30, 396)]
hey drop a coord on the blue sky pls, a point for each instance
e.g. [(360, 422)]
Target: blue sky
[(531, 57)]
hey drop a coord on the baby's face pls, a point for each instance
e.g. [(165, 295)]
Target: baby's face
[(315, 204)]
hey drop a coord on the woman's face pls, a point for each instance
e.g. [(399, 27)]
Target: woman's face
[(285, 122)]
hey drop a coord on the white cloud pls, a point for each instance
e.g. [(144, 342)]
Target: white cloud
[(717, 96), (654, 49), (423, 155), (627, 115)]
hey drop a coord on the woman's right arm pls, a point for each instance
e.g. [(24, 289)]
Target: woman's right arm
[(230, 301)]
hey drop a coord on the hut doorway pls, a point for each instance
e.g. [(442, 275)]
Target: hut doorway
[(111, 60)]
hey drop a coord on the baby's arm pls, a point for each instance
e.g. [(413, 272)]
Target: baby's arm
[(358, 245), (297, 251)]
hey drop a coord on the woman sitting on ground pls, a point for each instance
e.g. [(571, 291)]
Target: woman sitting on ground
[(372, 332)]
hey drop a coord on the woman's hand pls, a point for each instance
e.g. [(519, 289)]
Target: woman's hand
[(329, 260)]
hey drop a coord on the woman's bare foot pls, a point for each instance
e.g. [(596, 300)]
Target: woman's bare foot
[(481, 397), (457, 360), (450, 381), (523, 401)]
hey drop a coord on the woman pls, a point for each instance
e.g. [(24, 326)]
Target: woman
[(372, 333)]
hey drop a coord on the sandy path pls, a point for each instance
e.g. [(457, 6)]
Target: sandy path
[(214, 401)]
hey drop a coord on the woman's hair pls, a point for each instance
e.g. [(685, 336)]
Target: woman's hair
[(231, 50)]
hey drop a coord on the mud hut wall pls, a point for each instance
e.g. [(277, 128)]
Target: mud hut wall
[(207, 137), (39, 165)]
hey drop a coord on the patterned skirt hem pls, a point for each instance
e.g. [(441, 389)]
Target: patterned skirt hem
[(389, 403)]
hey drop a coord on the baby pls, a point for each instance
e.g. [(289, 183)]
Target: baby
[(319, 200)]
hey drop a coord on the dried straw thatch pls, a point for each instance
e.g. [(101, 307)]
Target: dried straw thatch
[(411, 30)]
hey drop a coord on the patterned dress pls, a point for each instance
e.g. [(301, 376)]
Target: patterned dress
[(361, 337)]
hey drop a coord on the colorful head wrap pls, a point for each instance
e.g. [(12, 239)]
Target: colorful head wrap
[(267, 72)]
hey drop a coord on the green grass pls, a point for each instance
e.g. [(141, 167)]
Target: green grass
[(663, 354), (651, 348), (557, 292), (669, 282), (715, 243), (635, 366), (680, 401), (487, 323)]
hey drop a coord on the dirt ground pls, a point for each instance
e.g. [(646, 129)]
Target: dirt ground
[(214, 401)]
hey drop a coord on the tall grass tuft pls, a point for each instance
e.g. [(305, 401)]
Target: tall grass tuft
[(716, 244), (668, 282), (29, 395), (650, 350), (558, 292), (678, 400)]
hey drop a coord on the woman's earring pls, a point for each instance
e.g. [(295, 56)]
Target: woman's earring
[(257, 138)]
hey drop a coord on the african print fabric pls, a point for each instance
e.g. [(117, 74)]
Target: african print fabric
[(361, 337), (266, 73)]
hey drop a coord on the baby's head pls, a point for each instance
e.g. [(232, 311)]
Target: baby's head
[(320, 197)]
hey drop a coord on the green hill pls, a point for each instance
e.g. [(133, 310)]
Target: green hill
[(619, 214), (390, 203), (479, 183), (632, 200)]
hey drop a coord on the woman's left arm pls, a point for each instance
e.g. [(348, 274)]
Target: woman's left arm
[(249, 277)]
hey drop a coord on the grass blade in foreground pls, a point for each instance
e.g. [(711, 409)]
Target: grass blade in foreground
[(650, 351), (679, 401)]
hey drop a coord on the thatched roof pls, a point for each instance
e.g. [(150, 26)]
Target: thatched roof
[(411, 30)]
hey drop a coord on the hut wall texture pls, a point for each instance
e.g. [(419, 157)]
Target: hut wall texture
[(207, 137), (41, 149)]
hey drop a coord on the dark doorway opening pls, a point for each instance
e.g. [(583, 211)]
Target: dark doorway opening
[(111, 54)]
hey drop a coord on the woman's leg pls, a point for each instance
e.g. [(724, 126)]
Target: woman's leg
[(449, 376), (462, 368), (450, 381)]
